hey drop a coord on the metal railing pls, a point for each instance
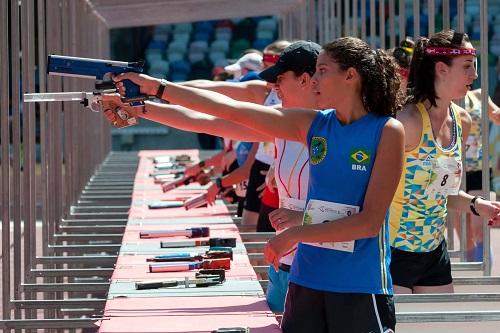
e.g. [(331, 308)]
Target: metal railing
[(68, 141)]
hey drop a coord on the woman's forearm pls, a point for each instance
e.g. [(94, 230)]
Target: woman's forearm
[(460, 202), (287, 124), (342, 230), (251, 91), (189, 120)]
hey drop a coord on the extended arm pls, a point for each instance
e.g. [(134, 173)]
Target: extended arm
[(189, 120), (251, 91), (291, 124)]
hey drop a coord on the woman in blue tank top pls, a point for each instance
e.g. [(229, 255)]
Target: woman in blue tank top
[(340, 280)]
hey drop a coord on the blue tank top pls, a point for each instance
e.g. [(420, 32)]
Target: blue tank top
[(341, 162)]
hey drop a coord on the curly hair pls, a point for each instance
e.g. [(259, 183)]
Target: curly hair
[(378, 70), (422, 67)]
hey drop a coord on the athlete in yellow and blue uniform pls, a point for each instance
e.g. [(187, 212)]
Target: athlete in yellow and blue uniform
[(418, 210), (442, 70), (431, 173)]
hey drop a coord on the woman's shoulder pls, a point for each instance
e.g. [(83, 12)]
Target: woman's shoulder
[(409, 114), (465, 117), (394, 127), (412, 122)]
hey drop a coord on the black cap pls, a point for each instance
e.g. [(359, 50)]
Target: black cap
[(299, 57)]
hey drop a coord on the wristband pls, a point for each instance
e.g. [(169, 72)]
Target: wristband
[(473, 204), (218, 183), (142, 108), (161, 89)]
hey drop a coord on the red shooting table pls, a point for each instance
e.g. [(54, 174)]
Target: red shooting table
[(239, 302)]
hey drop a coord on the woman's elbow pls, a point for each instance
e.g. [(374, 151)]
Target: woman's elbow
[(374, 225)]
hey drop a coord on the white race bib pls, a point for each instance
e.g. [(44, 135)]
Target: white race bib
[(318, 211), (445, 177), (295, 205)]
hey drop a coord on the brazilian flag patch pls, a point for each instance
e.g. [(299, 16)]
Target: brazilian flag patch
[(318, 150), (360, 156)]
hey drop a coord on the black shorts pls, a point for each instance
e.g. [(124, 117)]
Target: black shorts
[(309, 310), (263, 223), (429, 269), (252, 200), (233, 166), (239, 211)]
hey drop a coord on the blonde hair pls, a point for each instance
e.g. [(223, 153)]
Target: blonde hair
[(277, 47)]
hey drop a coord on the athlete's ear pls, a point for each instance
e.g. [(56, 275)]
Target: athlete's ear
[(441, 68), (351, 73), (304, 79)]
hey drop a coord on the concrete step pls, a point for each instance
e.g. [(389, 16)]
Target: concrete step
[(447, 316), (444, 306), (447, 302), (476, 284), (449, 326)]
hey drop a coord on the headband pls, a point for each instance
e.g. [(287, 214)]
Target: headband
[(449, 51), (269, 57)]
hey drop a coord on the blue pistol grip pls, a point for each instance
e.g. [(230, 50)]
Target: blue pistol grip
[(132, 89)]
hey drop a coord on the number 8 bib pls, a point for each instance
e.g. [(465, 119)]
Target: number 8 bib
[(445, 177)]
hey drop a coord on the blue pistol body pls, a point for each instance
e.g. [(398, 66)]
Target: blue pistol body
[(100, 70)]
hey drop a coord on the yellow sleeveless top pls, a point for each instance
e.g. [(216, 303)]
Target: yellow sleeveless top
[(431, 173)]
